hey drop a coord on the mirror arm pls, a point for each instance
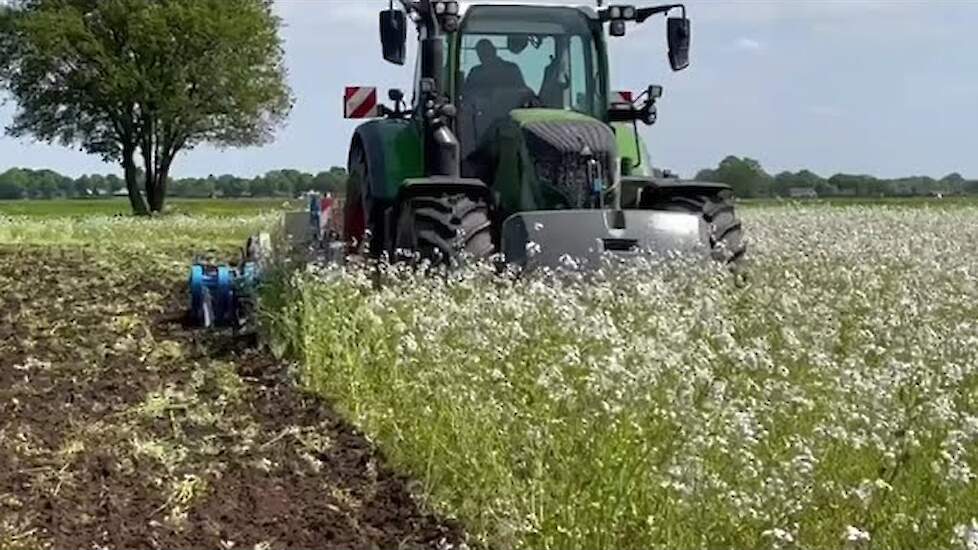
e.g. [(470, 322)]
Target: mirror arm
[(638, 145), (644, 13)]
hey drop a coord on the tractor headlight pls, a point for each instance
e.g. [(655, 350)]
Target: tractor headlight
[(447, 12)]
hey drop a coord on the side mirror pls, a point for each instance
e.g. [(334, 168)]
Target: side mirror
[(677, 31), (393, 35)]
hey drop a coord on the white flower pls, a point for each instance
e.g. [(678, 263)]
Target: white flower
[(854, 535), (967, 535)]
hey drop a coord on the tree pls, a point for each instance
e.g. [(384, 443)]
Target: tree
[(745, 176), (149, 77), (231, 186), (785, 181), (332, 181), (10, 186)]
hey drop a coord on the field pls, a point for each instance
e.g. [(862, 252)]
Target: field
[(830, 401), (120, 207), (122, 428)]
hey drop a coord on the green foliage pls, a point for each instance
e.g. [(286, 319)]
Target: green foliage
[(117, 77), (19, 183), (749, 180), (745, 176)]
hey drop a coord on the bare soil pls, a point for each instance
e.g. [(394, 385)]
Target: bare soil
[(122, 428)]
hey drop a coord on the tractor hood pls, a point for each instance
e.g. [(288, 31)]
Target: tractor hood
[(550, 159), (552, 166)]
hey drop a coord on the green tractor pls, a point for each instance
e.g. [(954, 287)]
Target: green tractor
[(513, 143)]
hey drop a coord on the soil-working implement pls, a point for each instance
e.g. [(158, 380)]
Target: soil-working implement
[(513, 136)]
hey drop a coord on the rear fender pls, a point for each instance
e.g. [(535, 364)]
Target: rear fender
[(443, 185), (394, 154)]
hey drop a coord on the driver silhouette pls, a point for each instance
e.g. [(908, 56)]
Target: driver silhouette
[(493, 71)]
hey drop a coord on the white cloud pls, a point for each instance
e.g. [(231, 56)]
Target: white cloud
[(747, 44)]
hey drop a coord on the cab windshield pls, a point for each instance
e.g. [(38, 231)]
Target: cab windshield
[(528, 56)]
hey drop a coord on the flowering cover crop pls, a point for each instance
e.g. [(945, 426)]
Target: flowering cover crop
[(831, 401)]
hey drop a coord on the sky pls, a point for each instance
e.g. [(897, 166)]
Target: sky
[(888, 88)]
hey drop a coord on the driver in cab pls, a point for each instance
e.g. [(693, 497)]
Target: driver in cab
[(492, 71)]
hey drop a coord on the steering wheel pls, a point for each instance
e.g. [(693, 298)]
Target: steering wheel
[(530, 100)]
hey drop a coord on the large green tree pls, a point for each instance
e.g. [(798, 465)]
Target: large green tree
[(744, 175), (138, 81)]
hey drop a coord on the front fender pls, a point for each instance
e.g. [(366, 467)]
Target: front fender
[(394, 154), (642, 191)]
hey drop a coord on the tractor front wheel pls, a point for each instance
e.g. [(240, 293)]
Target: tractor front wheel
[(726, 233), (444, 229)]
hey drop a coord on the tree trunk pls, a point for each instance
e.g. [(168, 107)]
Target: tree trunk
[(156, 185), (157, 195), (132, 185), (149, 166)]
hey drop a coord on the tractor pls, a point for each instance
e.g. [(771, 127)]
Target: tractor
[(513, 143)]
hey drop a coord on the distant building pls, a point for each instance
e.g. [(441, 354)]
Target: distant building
[(802, 193)]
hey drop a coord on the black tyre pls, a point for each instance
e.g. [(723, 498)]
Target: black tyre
[(726, 232), (363, 218), (444, 229)]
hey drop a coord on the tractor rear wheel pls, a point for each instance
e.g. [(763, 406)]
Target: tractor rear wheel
[(360, 224), (444, 229), (725, 229)]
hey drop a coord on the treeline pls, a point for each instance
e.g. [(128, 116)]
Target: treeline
[(747, 177), (749, 180), (21, 183)]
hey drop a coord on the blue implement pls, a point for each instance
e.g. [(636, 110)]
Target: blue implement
[(222, 295)]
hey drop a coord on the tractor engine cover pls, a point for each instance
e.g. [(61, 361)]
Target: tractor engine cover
[(560, 150)]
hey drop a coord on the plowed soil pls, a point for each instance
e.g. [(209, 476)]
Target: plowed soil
[(122, 428)]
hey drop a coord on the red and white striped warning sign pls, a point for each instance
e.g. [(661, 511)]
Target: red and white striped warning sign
[(360, 102), (621, 99)]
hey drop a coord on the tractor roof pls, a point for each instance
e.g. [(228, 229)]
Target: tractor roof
[(526, 18), (586, 10)]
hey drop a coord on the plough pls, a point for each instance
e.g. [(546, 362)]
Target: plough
[(225, 295)]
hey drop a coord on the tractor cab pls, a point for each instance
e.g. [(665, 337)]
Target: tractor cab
[(520, 57)]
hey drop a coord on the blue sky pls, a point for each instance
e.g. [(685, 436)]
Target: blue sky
[(882, 87)]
